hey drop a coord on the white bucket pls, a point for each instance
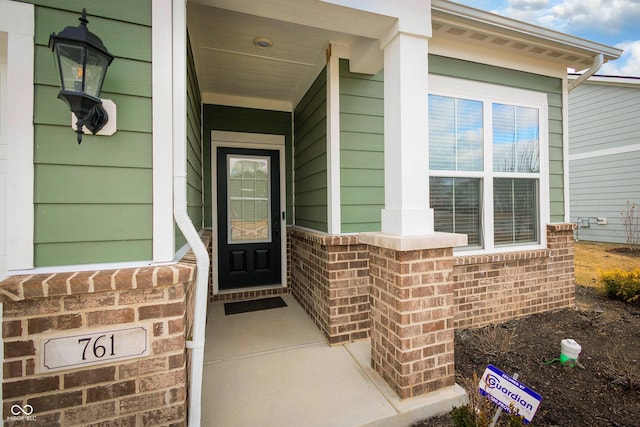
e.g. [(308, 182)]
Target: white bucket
[(569, 350)]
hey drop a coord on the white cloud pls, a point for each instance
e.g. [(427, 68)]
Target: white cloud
[(607, 21), (526, 10), (628, 64), (605, 16)]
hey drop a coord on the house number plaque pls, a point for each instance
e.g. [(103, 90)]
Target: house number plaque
[(79, 350)]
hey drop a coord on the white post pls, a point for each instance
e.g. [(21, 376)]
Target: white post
[(334, 221), (406, 136), (162, 74)]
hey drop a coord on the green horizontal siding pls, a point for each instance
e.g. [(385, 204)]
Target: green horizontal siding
[(138, 12), (523, 80), (310, 156), (124, 149), (361, 150), (93, 202), (53, 254), (237, 119), (123, 38), (87, 184), (312, 182), (65, 224), (195, 188)]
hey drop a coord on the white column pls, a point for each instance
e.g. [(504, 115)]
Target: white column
[(334, 221), (162, 75), (17, 19), (406, 135)]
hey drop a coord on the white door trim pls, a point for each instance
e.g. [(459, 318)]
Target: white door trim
[(256, 141)]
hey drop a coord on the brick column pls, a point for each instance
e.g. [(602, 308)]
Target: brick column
[(147, 390), (412, 310), (329, 277)]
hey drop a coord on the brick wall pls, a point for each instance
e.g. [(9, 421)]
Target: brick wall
[(329, 276), (412, 319), (496, 288), (249, 294), (149, 390)]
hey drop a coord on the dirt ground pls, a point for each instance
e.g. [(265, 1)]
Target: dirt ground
[(605, 393)]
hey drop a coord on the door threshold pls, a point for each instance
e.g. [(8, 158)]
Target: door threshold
[(250, 292)]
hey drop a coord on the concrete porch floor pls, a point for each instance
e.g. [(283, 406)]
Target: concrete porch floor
[(275, 368)]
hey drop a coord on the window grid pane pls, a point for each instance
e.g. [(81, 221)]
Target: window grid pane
[(248, 193), (457, 206), (516, 142), (455, 134), (515, 214)]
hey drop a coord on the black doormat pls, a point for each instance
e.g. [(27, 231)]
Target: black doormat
[(253, 305)]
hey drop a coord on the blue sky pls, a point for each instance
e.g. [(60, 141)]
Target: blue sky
[(611, 22)]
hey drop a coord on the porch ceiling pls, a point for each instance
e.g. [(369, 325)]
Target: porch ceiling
[(232, 70)]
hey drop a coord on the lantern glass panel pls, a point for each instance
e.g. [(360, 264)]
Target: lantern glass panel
[(71, 58), (95, 72)]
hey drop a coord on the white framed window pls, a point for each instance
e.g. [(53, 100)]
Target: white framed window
[(488, 164)]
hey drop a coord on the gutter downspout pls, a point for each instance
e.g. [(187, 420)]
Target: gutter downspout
[(598, 60), (196, 343)]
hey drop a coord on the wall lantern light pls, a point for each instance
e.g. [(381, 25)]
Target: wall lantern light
[(82, 61)]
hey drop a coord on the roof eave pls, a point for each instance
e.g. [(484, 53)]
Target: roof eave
[(523, 29)]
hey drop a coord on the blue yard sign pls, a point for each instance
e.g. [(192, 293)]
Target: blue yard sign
[(508, 393)]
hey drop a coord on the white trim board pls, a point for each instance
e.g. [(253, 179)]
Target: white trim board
[(334, 214), (605, 152), (3, 155), (162, 76), (247, 140), (17, 19)]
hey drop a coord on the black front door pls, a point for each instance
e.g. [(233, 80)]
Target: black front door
[(249, 242)]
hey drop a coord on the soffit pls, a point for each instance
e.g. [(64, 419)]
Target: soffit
[(473, 26), (229, 64)]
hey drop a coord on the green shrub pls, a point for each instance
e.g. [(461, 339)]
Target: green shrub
[(465, 417), (621, 285)]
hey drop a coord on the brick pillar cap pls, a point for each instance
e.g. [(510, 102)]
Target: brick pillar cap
[(561, 226), (396, 242)]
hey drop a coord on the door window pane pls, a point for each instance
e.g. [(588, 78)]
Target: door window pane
[(249, 199), (515, 139), (515, 216), (456, 205), (455, 134)]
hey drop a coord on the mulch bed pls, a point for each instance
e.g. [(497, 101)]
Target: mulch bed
[(605, 393), (626, 251)]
